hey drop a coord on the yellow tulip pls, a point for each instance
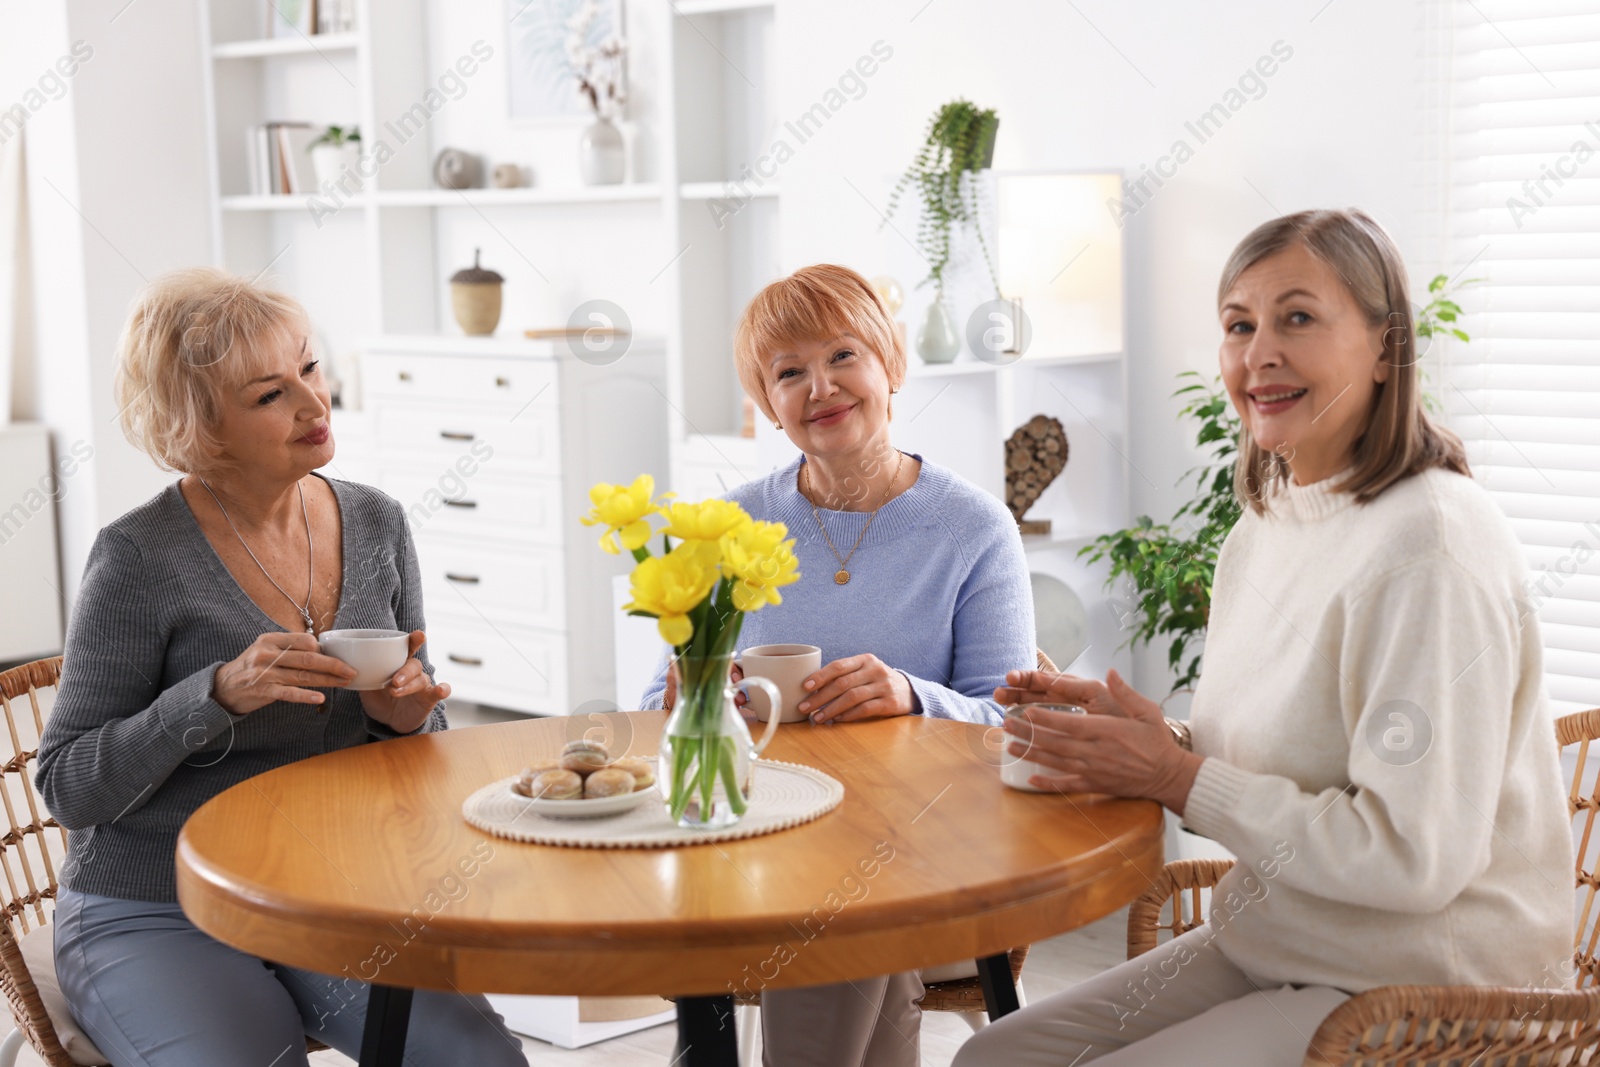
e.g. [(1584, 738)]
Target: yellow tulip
[(705, 521), (623, 509), (671, 586), (759, 561)]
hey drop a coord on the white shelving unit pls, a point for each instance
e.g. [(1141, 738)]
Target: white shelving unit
[(355, 267), (286, 46), (722, 105), (533, 631)]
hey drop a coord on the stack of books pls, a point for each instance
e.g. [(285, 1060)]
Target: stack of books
[(336, 16), (279, 158)]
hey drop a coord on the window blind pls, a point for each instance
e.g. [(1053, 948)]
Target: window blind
[(1522, 211)]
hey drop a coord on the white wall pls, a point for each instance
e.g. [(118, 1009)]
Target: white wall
[(1332, 129), (116, 194)]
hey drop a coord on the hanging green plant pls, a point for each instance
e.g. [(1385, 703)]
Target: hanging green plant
[(959, 139)]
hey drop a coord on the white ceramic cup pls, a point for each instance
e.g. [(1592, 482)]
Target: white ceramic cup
[(375, 654), (786, 666), (1016, 770)]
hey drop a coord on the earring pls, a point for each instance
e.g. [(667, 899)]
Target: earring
[(777, 426)]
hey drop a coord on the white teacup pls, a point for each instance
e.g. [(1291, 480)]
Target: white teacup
[(375, 654), (1016, 770), (786, 666)]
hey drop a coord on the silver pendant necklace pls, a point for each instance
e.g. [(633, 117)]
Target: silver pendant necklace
[(311, 548)]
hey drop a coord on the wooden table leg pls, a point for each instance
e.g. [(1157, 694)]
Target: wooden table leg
[(383, 1041), (706, 1032), (999, 988)]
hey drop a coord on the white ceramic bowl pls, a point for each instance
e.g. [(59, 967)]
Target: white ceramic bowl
[(588, 809)]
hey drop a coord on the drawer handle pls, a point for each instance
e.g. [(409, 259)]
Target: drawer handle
[(470, 661), (405, 376), (470, 579), (454, 435), (462, 503), (503, 383)]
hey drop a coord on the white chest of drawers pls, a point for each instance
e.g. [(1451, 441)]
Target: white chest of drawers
[(491, 446)]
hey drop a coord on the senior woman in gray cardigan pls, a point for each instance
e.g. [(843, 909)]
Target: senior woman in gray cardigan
[(192, 663), (914, 585)]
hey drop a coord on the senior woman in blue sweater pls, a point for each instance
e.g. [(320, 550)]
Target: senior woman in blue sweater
[(192, 664), (914, 585)]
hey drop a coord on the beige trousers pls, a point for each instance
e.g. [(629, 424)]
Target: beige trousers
[(872, 1022), (1181, 1002)]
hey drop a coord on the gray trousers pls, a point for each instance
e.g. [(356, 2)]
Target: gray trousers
[(151, 990), (871, 1022), (1181, 1002)]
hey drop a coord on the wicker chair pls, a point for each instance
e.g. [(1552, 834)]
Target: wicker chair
[(29, 858), (1424, 1026)]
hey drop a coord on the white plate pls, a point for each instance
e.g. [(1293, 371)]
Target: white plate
[(587, 809)]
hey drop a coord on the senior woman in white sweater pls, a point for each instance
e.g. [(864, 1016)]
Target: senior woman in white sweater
[(1370, 734)]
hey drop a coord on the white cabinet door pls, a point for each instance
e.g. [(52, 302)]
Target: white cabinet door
[(515, 667), (521, 510), (429, 378), (522, 586)]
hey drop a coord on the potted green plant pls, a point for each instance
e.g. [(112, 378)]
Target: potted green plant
[(958, 142), (335, 150), (1167, 568)]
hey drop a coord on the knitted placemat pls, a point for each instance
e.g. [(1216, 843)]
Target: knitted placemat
[(781, 795)]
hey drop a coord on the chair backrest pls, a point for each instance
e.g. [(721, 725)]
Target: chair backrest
[(1580, 729), (29, 853), (28, 857)]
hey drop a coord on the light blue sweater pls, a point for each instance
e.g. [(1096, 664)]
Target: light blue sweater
[(938, 590)]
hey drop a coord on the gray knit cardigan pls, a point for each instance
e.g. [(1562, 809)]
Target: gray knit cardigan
[(135, 743)]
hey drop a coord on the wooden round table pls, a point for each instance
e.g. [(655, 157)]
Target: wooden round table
[(358, 863)]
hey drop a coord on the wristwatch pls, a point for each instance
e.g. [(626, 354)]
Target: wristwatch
[(1180, 733)]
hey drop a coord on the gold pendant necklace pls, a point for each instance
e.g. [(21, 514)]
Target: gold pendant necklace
[(842, 575)]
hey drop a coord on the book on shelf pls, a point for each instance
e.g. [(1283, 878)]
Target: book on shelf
[(336, 16), (279, 158)]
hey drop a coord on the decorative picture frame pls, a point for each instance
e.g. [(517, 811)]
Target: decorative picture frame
[(541, 84)]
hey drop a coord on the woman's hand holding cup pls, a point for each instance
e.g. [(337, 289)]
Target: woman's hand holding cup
[(278, 666), (407, 699), (1122, 747)]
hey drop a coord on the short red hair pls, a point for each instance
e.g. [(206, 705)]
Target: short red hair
[(816, 303)]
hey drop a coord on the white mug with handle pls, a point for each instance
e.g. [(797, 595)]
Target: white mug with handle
[(788, 666), (772, 694)]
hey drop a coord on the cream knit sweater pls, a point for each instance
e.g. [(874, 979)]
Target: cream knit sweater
[(1379, 752)]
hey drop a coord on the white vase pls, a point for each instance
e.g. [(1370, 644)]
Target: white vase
[(601, 156), (330, 162), (937, 339)]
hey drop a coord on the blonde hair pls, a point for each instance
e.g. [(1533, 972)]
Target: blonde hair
[(191, 335), (816, 303), (1399, 439)]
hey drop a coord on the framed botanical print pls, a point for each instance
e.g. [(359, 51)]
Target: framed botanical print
[(552, 46)]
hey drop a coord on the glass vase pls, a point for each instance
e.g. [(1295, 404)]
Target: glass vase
[(706, 750)]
